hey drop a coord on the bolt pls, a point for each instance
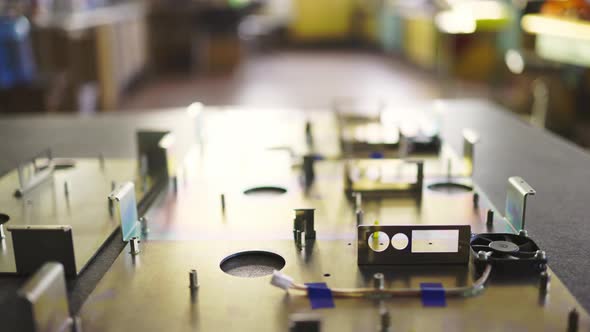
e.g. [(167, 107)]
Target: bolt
[(523, 232), (359, 217), (490, 217), (572, 320), (540, 254), (134, 244), (193, 279), (379, 281), (475, 200), (223, 203)]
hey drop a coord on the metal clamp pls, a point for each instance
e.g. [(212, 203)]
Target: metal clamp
[(516, 198), (30, 175), (124, 199)]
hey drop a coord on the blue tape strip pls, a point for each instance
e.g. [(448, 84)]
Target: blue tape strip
[(433, 295), (320, 296)]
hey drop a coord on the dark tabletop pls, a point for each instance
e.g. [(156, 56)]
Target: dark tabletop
[(558, 170)]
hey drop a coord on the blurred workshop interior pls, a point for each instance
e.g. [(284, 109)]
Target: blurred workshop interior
[(89, 56)]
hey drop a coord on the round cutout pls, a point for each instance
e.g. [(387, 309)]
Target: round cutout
[(265, 191), (252, 264), (450, 187), (400, 241), (4, 218), (378, 241)]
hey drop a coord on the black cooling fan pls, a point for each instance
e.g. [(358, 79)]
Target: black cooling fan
[(509, 253)]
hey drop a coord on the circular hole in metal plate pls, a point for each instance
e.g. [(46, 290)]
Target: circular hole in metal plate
[(450, 187), (378, 241), (265, 191), (252, 264), (400, 241), (4, 218)]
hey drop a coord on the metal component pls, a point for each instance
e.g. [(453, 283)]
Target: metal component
[(358, 201), (540, 254), (419, 178), (470, 138), (482, 255), (4, 218), (490, 217), (308, 170), (385, 319), (144, 226), (544, 279), (193, 279), (223, 203), (35, 245), (516, 198), (573, 320), (134, 245), (308, 133), (523, 232), (379, 280), (413, 244), (359, 217), (175, 183), (30, 175), (45, 301), (124, 198), (304, 222), (475, 200), (297, 234), (305, 323)]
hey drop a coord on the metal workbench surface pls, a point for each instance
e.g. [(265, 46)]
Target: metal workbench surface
[(558, 170)]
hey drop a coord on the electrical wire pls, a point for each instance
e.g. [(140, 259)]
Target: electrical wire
[(283, 281)]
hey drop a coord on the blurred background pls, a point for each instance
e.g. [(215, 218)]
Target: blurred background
[(90, 56)]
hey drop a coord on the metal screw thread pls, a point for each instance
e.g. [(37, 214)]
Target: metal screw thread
[(134, 244), (490, 217)]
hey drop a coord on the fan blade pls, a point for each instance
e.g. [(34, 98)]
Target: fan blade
[(484, 238), (528, 246), (503, 256)]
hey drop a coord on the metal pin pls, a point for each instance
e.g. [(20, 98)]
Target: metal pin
[(385, 319), (572, 320), (490, 217), (523, 232), (175, 183), (223, 203), (193, 279), (358, 201), (298, 236), (134, 244), (66, 188), (379, 281), (2, 234), (475, 200), (359, 217), (544, 281)]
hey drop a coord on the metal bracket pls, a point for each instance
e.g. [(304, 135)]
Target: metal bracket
[(154, 149), (124, 199), (470, 138), (31, 175), (413, 244), (516, 197), (371, 188), (45, 301), (36, 245)]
